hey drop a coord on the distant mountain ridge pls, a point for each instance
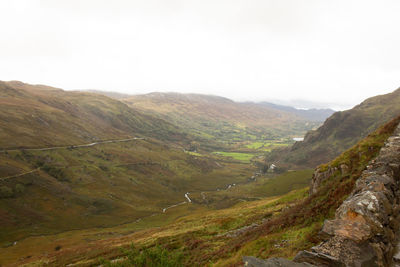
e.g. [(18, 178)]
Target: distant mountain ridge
[(313, 114), (215, 116), (340, 131)]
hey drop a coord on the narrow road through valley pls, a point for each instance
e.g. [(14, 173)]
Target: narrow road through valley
[(73, 146), (172, 206), (62, 147), (187, 197), (21, 174)]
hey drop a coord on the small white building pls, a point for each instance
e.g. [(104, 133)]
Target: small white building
[(272, 168)]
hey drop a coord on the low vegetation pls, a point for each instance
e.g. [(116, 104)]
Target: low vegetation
[(277, 227), (305, 218), (217, 121), (197, 194), (339, 132), (151, 257)]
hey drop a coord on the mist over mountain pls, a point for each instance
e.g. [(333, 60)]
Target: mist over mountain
[(310, 104), (297, 104), (110, 94), (313, 114), (340, 131), (221, 117)]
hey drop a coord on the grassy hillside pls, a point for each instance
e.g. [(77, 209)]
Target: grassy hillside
[(218, 118), (192, 190), (47, 192), (40, 116), (272, 227), (339, 132), (101, 185), (277, 226), (210, 211)]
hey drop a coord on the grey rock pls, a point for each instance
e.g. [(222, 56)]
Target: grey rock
[(396, 256), (366, 226), (318, 177), (344, 169), (272, 262), (317, 259)]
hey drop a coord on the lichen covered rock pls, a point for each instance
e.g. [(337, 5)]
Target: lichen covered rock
[(319, 177), (363, 232)]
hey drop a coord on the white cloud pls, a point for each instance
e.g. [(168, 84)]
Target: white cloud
[(330, 51)]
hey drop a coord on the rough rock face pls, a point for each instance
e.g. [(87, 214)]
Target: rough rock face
[(318, 177), (366, 226), (273, 262), (364, 230)]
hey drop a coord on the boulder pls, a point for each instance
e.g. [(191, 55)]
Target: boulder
[(272, 262)]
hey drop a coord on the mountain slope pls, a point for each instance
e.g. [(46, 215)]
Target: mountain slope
[(274, 227), (36, 115), (212, 117), (83, 183), (339, 132), (312, 114), (110, 94)]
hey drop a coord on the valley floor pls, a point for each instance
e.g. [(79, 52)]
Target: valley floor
[(192, 223), (75, 200)]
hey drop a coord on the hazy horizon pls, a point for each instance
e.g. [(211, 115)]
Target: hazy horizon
[(335, 53), (297, 103)]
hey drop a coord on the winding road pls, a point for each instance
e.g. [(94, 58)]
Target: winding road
[(173, 206), (21, 174), (98, 143), (190, 201), (187, 197), (62, 147), (73, 146)]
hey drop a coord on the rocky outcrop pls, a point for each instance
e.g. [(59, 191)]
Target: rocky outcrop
[(273, 262), (319, 177), (365, 228)]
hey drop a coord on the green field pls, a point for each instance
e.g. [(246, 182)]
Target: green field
[(267, 146), (245, 157), (255, 145)]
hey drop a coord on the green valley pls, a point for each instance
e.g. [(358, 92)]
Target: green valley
[(199, 133), (73, 161), (170, 179)]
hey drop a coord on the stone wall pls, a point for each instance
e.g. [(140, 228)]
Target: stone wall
[(366, 226)]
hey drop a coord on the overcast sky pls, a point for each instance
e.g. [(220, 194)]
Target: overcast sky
[(339, 52)]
